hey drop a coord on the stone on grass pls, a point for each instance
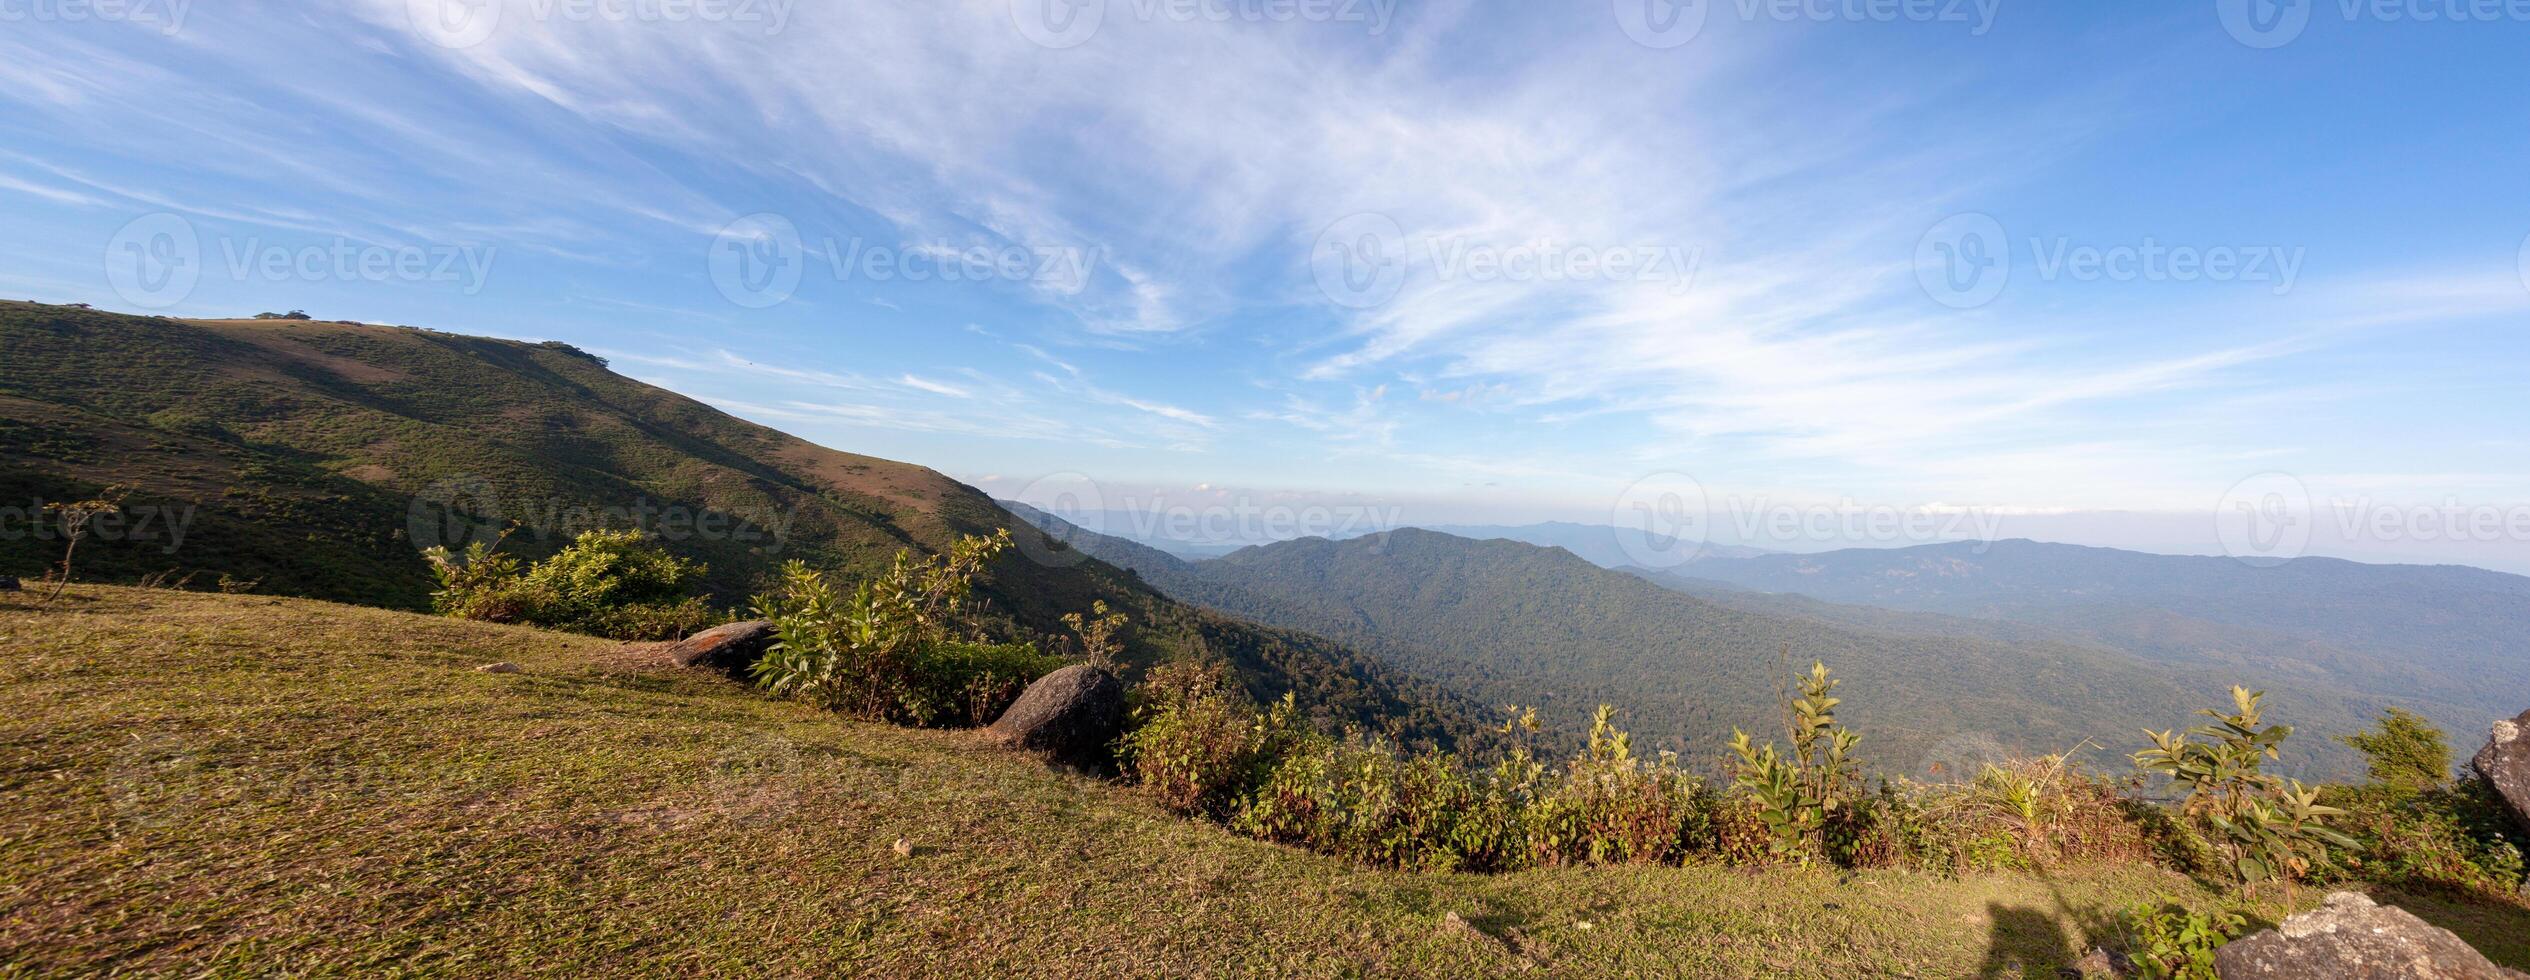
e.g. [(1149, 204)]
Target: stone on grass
[(2350, 938), (503, 667), (729, 649), (9, 583), (1072, 714), (2505, 762)]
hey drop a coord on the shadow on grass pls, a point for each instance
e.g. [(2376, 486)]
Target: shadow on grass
[(2027, 942), (2499, 929)]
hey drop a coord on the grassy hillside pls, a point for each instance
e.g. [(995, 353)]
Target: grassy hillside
[(318, 459), (1510, 622), (214, 784)]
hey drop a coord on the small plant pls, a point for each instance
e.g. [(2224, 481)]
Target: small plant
[(76, 519), (1097, 633), (2404, 751), (2172, 943), (1798, 795), (2268, 829)]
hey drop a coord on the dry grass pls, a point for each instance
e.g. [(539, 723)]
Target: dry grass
[(227, 785)]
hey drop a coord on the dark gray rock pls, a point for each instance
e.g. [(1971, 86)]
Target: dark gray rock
[(9, 583), (729, 649), (1072, 714), (2505, 762), (2350, 938)]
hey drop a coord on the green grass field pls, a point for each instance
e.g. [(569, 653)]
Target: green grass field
[(201, 784)]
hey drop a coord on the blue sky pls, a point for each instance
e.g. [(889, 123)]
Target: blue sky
[(2031, 261)]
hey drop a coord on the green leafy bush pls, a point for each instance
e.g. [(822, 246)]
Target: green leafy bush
[(2404, 751), (2267, 829), (1199, 745), (617, 584), (1799, 795), (890, 649), (2173, 943)]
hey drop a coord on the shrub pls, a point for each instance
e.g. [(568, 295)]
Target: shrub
[(889, 650), (1608, 806), (1798, 796), (616, 584), (2404, 752), (2266, 828), (2173, 943), (1200, 746), (2031, 813)]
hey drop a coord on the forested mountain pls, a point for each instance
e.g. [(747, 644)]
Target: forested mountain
[(318, 458), (1515, 623), (1599, 544), (2446, 633)]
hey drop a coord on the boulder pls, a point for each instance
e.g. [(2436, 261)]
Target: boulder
[(729, 649), (503, 667), (1072, 714), (2350, 938), (2505, 762), (8, 583)]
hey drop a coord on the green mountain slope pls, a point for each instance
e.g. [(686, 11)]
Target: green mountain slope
[(1510, 622), (318, 458), (2445, 633)]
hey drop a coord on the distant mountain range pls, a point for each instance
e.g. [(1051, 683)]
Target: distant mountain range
[(318, 458), (1516, 623), (2436, 633)]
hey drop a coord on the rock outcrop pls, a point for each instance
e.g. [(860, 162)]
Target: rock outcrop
[(1072, 714), (729, 649), (2350, 938), (2505, 762)]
